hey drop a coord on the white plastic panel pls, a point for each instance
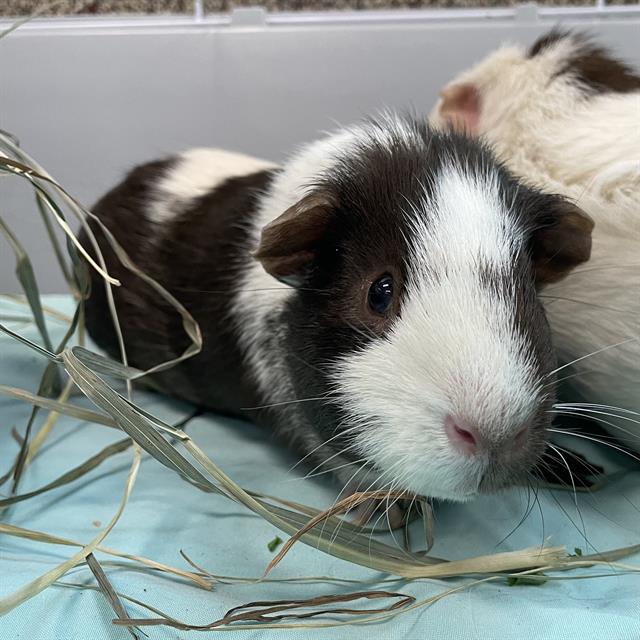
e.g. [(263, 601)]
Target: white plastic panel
[(90, 98)]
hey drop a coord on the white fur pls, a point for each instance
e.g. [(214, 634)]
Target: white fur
[(454, 350), (588, 148), (468, 207), (196, 172)]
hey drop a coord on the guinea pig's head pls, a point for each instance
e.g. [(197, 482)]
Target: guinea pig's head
[(415, 260), (504, 95)]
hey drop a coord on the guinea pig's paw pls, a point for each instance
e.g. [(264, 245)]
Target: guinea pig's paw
[(383, 514), (567, 469)]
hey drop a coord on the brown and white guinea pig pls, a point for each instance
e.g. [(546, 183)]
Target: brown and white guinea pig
[(564, 116), (378, 293)]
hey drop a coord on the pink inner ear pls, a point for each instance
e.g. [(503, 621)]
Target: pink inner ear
[(461, 108)]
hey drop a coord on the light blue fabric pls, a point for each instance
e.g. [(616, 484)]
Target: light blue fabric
[(165, 515)]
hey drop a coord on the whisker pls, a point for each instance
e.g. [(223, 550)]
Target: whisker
[(395, 483), (400, 545), (577, 301), (407, 542), (326, 442), (527, 513), (353, 445), (577, 528), (573, 485), (632, 436), (347, 484), (536, 491), (598, 406), (334, 469), (593, 353), (572, 375), (299, 359), (581, 429), (585, 463), (587, 410), (375, 482), (631, 504), (582, 532), (603, 267), (285, 402), (593, 439), (592, 495), (365, 332)]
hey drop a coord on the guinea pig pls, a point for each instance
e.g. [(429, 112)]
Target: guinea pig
[(564, 115), (374, 301)]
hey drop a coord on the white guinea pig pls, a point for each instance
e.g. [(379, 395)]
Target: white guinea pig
[(564, 115)]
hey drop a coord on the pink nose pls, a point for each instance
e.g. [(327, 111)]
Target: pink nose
[(467, 439), (462, 435)]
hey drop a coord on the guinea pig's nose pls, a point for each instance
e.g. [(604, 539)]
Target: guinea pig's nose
[(463, 436), (467, 439)]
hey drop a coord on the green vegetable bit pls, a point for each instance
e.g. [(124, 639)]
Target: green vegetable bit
[(521, 581), (274, 544)]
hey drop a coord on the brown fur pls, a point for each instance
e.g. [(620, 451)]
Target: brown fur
[(179, 256), (593, 66)]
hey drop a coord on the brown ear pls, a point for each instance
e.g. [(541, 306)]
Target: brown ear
[(460, 107), (287, 245), (562, 243)]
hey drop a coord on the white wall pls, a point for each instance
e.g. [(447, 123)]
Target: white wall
[(90, 98)]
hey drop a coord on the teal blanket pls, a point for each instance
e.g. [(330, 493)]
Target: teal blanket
[(166, 515)]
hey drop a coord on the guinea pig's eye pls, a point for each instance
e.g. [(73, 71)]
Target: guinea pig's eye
[(380, 294)]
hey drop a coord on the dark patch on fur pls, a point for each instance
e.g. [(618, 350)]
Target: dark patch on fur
[(122, 212), (593, 66), (547, 41), (197, 257)]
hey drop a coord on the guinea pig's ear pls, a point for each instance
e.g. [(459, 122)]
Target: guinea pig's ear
[(288, 243), (561, 242), (460, 107)]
